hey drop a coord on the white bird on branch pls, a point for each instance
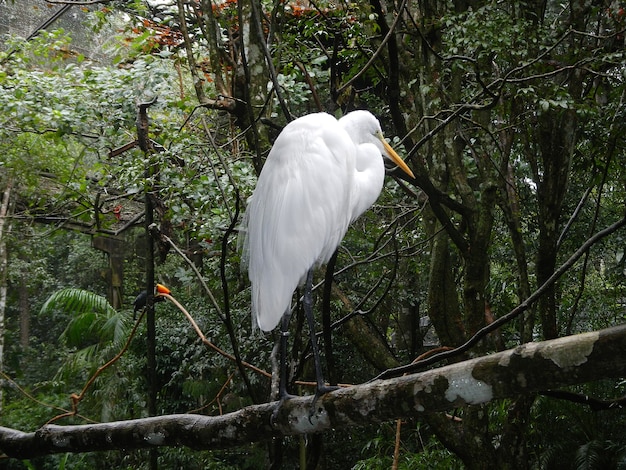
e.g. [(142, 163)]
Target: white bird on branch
[(320, 175)]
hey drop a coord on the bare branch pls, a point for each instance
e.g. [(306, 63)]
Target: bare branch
[(77, 2)]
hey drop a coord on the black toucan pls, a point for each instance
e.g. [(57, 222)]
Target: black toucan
[(140, 300)]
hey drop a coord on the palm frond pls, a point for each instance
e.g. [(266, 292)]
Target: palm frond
[(76, 301), (590, 456), (95, 331), (93, 319)]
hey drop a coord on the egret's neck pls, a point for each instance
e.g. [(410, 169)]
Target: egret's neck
[(368, 179)]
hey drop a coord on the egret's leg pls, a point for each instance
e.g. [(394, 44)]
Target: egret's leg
[(283, 394), (322, 388), (284, 376)]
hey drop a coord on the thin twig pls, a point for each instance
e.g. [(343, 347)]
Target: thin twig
[(392, 31), (192, 265), (204, 339)]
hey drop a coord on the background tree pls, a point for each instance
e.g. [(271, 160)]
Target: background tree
[(511, 115)]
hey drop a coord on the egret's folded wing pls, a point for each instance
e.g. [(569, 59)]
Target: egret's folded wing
[(299, 212)]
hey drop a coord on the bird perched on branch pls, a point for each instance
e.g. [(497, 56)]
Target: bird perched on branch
[(320, 175), (140, 300)]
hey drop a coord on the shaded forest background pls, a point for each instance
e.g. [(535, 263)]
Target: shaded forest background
[(511, 114)]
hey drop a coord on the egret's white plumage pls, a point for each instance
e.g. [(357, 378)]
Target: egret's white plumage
[(320, 175)]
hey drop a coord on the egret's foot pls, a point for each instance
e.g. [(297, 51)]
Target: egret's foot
[(319, 392), (281, 400)]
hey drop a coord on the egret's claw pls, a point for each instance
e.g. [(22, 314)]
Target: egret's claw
[(283, 398), (321, 390)]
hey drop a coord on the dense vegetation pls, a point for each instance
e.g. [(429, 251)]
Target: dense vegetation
[(511, 115)]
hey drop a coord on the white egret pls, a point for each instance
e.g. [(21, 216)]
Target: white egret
[(320, 175)]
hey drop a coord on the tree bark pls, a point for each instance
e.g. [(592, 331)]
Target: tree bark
[(5, 227), (522, 371), (556, 139), (24, 303)]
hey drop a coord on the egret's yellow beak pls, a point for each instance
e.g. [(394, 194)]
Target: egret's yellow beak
[(396, 158)]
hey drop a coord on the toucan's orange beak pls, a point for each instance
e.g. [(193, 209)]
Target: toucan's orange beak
[(161, 289)]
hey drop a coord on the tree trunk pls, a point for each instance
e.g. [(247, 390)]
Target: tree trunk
[(5, 228), (556, 138), (24, 313), (443, 303)]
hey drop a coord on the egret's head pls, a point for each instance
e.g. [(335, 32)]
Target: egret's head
[(363, 127)]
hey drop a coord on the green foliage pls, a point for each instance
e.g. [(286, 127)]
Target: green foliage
[(79, 301), (489, 75), (94, 320), (492, 32), (418, 450)]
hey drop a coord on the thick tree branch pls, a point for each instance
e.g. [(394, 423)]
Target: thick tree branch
[(526, 369)]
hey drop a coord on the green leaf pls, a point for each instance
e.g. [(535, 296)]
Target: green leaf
[(94, 320), (77, 300)]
